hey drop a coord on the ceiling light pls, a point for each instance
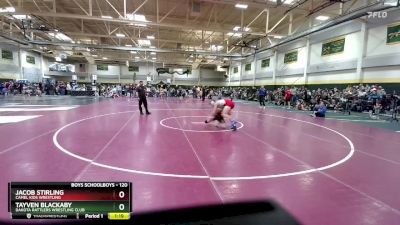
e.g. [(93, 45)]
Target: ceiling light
[(277, 36), (136, 17), (63, 37), (134, 52), (286, 2), (154, 58), (60, 36), (237, 28), (105, 58), (191, 56), (7, 9), (58, 59), (21, 17), (391, 3), (137, 57), (120, 35), (322, 18), (139, 25), (128, 45), (94, 55), (106, 17), (216, 47), (144, 42), (152, 47), (241, 6), (151, 37), (153, 53)]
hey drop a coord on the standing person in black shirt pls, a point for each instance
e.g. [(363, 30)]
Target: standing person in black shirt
[(203, 93), (141, 90), (21, 87)]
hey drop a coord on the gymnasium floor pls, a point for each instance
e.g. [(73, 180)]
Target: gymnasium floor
[(323, 171)]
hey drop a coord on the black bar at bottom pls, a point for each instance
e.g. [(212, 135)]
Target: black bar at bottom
[(82, 216), (33, 216)]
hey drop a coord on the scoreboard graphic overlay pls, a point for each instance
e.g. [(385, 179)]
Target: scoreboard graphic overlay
[(76, 200)]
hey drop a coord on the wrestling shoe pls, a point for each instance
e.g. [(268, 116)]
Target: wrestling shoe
[(233, 125)]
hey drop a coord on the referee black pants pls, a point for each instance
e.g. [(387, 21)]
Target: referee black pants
[(144, 102), (262, 100)]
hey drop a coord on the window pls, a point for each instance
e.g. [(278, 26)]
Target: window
[(133, 69), (30, 59), (6, 54), (333, 47), (290, 57), (265, 63), (247, 67), (235, 69), (102, 67)]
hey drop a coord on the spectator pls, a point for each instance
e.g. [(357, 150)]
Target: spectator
[(261, 96), (320, 110), (288, 97), (68, 89)]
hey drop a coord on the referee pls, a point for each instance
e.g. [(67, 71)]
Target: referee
[(141, 90)]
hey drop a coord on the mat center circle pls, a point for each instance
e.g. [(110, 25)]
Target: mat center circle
[(178, 126), (196, 124)]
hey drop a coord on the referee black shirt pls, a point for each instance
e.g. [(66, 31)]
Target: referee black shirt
[(141, 91)]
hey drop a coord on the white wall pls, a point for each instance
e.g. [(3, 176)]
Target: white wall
[(390, 75), (290, 80), (32, 72), (9, 69), (248, 73), (264, 81), (377, 43), (234, 83), (247, 83), (334, 77), (5, 62), (295, 65), (352, 43), (113, 70), (380, 62), (260, 70), (232, 75), (25, 64)]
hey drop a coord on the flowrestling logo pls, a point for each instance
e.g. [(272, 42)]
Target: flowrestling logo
[(377, 15)]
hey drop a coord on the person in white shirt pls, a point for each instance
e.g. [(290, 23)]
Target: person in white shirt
[(69, 88)]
